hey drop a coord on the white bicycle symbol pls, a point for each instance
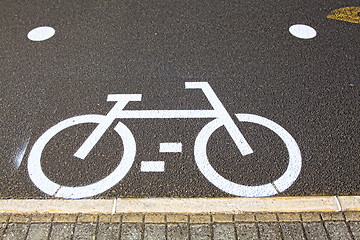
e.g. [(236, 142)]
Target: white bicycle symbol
[(222, 118)]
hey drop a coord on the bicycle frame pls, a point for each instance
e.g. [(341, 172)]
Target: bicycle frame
[(218, 112)]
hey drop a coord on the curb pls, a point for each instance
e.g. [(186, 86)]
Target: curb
[(183, 205)]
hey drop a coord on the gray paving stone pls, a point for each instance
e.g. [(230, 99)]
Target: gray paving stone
[(177, 231), (269, 231), (108, 231), (154, 232), (16, 231), (243, 230), (61, 231), (315, 230), (337, 230), (84, 231), (200, 232), (2, 229), (355, 229), (292, 231), (131, 231), (247, 231), (38, 231), (224, 231)]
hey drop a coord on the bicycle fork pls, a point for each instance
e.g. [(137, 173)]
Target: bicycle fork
[(229, 124), (122, 100)]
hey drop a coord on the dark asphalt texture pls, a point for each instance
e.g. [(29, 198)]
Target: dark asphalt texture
[(242, 48)]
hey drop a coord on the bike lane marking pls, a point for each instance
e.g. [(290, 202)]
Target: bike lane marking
[(104, 121)]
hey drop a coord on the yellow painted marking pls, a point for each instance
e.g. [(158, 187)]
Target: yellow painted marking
[(347, 14)]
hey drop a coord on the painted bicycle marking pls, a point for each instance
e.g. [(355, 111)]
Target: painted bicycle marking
[(220, 118)]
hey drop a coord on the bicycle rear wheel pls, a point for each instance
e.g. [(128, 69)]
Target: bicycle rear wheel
[(269, 189)]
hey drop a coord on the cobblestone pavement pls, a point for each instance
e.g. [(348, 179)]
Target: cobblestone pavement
[(341, 225)]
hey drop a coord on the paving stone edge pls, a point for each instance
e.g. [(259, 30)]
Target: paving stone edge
[(183, 205), (180, 218)]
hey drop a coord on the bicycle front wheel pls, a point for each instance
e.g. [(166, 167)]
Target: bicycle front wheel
[(49, 187), (269, 189)]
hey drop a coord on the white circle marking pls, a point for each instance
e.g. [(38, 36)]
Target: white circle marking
[(41, 33), (302, 31)]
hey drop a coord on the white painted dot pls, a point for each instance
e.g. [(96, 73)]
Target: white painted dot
[(302, 31), (41, 33)]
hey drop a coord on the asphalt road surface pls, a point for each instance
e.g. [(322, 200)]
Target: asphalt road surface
[(250, 57)]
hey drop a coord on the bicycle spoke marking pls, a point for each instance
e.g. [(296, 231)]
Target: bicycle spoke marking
[(152, 166), (170, 147)]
